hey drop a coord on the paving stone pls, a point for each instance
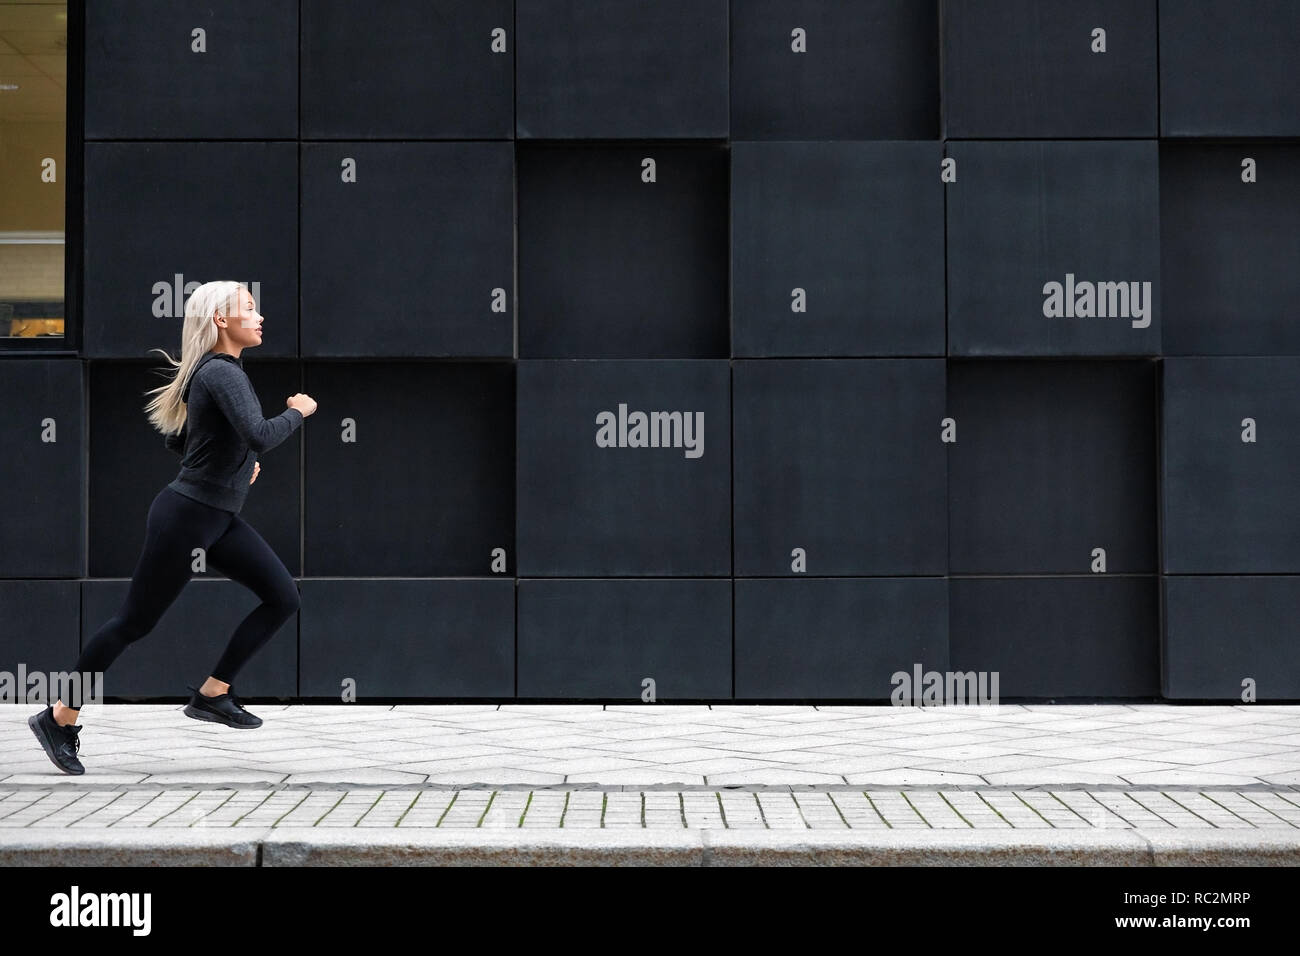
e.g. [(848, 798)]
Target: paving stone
[(1216, 777)]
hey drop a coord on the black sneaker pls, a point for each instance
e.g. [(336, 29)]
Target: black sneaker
[(222, 709), (60, 743)]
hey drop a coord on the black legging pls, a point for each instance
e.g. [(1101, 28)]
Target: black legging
[(175, 527)]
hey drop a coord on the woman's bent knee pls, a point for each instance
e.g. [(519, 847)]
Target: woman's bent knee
[(287, 601)]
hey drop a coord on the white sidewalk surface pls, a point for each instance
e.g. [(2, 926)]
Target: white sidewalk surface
[(1112, 784), (1117, 745)]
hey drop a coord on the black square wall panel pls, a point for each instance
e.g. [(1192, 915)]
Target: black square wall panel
[(130, 465), (408, 249), (1049, 68), (39, 621), (1054, 248), (1230, 249), (409, 469), (408, 69), (585, 639), (1224, 635), (612, 266), (1052, 461), (1232, 465), (830, 69), (194, 213), (837, 638), (409, 638), (191, 69), (42, 468), (615, 267), (1058, 637), (188, 640), (837, 249), (1229, 68), (839, 466), (621, 69), (624, 468)]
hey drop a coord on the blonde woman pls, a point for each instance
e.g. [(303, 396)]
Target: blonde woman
[(210, 415)]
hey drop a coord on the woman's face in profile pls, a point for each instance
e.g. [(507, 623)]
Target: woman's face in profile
[(244, 328)]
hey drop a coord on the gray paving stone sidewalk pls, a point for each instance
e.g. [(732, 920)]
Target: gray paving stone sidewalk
[(807, 809), (1128, 746), (1118, 784)]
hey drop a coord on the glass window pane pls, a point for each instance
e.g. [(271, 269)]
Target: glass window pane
[(33, 167)]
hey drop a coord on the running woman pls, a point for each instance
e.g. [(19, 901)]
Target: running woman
[(211, 416)]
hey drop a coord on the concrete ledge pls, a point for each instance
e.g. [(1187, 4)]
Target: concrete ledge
[(1270, 847), (62, 846), (914, 847), (294, 846), (477, 847)]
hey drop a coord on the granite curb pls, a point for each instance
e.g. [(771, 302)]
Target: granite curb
[(286, 846)]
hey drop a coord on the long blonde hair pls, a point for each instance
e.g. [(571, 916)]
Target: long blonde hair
[(166, 410)]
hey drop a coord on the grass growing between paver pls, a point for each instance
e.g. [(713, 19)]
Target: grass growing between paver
[(174, 809), (104, 807), (1246, 797), (1103, 807), (945, 799), (230, 807), (995, 810), (492, 796), (878, 813), (845, 819), (369, 808), (798, 809), (1222, 807), (1148, 809), (914, 810), (268, 796), (332, 808), (1036, 810)]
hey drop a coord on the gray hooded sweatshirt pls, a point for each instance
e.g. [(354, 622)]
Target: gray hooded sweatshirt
[(224, 432)]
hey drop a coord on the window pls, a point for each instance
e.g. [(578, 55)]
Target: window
[(34, 172)]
